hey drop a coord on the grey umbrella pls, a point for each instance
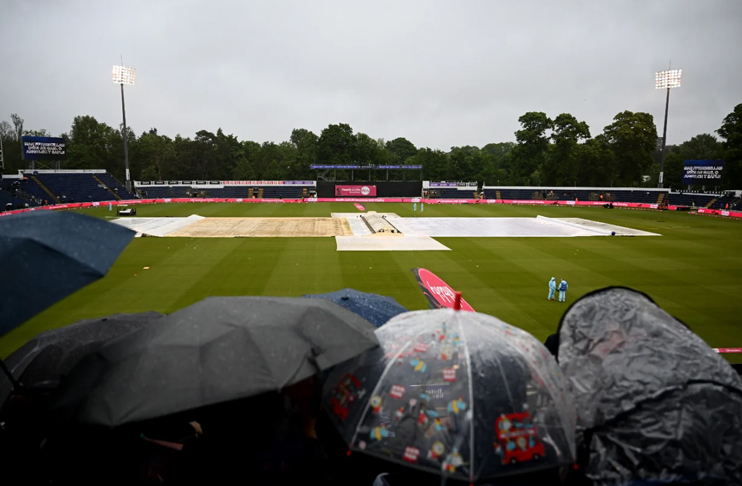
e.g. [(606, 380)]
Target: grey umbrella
[(44, 360), (656, 403), (217, 350)]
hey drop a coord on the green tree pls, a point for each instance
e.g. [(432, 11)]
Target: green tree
[(305, 142), (465, 163), (336, 144), (731, 132), (596, 163), (400, 149), (158, 152), (702, 147), (92, 144), (186, 166), (11, 148), (274, 171), (18, 129), (500, 155), (205, 148), (561, 167), (633, 139), (533, 143), (434, 163), (366, 150), (673, 168), (150, 173)]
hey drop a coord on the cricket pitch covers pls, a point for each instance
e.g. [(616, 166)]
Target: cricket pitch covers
[(354, 233)]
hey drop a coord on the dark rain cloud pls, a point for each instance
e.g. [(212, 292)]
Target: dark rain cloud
[(440, 73)]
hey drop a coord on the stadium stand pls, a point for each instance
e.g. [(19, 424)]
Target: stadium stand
[(690, 199), (115, 185), (622, 194), (226, 191), (452, 192), (71, 187), (13, 194), (156, 192)]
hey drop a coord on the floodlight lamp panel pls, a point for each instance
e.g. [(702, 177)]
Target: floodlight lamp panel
[(124, 75)]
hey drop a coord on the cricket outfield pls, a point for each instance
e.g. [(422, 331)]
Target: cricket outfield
[(691, 265)]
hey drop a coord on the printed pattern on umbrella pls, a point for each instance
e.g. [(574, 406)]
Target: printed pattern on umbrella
[(467, 397), (422, 402)]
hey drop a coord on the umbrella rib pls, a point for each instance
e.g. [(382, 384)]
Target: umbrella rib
[(471, 402), (378, 385)]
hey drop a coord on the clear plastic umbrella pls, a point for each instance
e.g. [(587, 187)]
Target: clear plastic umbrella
[(461, 394)]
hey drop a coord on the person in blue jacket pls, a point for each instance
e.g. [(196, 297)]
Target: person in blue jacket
[(563, 290), (552, 288)]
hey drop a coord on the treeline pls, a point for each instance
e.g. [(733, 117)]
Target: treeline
[(554, 152)]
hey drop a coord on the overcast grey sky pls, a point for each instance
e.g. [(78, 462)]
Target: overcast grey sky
[(440, 73)]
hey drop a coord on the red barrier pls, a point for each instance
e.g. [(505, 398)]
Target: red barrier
[(713, 212), (721, 212)]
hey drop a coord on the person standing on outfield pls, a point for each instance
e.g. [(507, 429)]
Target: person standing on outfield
[(552, 288), (563, 290)]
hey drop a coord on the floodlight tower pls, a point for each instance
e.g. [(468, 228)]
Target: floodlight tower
[(125, 75), (666, 80)]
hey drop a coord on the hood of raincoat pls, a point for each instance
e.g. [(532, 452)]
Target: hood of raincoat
[(654, 401)]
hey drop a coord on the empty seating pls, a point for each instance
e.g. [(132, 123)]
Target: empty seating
[(71, 187), (115, 185)]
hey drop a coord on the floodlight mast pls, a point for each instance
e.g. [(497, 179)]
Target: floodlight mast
[(666, 80), (125, 75)]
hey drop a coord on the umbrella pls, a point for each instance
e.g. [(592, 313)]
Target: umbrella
[(460, 394), (375, 308), (47, 255), (217, 350), (45, 359), (656, 403)]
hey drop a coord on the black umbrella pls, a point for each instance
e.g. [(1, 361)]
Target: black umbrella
[(657, 404), (47, 255), (47, 358), (375, 308), (217, 350)]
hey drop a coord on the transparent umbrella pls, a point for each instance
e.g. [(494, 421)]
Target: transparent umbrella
[(461, 394)]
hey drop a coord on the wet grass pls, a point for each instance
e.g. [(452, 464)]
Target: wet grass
[(693, 271)]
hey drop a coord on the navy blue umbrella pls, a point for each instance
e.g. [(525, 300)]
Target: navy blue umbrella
[(47, 255), (375, 308)]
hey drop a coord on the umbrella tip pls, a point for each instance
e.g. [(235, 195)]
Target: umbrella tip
[(457, 301)]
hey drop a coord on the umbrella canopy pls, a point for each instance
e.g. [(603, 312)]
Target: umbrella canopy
[(217, 350), (375, 308), (656, 402), (45, 359), (460, 394), (50, 255)]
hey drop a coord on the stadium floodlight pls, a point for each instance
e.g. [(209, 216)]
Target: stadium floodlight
[(125, 75), (666, 80)]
